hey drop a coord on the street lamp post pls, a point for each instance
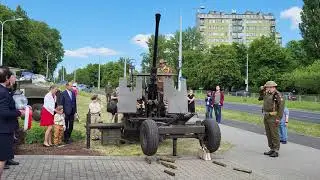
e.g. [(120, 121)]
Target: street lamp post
[(2, 24), (47, 73), (247, 73)]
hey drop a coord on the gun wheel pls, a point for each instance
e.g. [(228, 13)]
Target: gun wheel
[(149, 137), (212, 136)]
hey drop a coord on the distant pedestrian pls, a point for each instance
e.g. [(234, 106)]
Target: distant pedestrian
[(75, 89), (283, 128), (218, 99), (209, 105), (95, 114), (191, 103), (47, 114), (59, 126), (273, 106)]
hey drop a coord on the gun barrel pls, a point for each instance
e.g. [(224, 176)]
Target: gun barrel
[(155, 45), (152, 94)]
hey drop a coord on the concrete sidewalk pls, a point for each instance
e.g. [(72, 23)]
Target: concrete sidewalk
[(295, 161)]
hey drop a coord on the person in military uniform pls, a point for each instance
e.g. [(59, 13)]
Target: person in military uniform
[(273, 105), (162, 69)]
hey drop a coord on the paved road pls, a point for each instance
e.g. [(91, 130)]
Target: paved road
[(129, 168), (256, 109), (309, 141), (295, 161)]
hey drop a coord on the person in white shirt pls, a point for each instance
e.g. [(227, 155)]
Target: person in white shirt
[(95, 112), (59, 126)]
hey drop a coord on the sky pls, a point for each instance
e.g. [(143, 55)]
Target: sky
[(104, 30)]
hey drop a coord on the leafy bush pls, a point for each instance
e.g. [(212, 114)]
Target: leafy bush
[(36, 134), (304, 80)]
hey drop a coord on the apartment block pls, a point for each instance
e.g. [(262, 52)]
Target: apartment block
[(223, 28)]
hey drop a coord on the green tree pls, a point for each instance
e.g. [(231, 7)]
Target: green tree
[(296, 55), (303, 79), (267, 61), (220, 67), (25, 42), (62, 73), (310, 27), (162, 52)]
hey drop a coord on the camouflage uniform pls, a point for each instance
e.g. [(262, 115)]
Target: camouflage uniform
[(273, 105), (164, 70)]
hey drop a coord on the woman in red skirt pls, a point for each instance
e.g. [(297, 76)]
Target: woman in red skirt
[(47, 114)]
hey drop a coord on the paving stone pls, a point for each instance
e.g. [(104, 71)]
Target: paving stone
[(100, 167)]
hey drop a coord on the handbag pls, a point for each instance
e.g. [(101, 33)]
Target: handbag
[(204, 154)]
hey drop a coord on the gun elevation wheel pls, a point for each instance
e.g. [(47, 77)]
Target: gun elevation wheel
[(212, 137), (149, 137)]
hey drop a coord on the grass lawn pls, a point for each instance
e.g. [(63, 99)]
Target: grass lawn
[(184, 146), (303, 105), (304, 128)]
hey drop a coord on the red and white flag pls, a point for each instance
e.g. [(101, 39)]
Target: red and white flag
[(27, 118)]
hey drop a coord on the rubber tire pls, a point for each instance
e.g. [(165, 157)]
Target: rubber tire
[(149, 137), (212, 137), (36, 112)]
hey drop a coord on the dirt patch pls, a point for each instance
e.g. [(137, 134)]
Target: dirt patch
[(75, 148)]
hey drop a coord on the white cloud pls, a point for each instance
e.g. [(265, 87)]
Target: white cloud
[(294, 15), (169, 36), (141, 40), (87, 51)]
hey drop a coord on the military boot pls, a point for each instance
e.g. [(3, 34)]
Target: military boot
[(274, 154), (268, 153)]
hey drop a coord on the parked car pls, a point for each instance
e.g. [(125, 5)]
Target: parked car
[(241, 93), (289, 96)]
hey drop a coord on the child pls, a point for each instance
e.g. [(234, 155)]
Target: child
[(59, 126), (95, 110), (209, 105)]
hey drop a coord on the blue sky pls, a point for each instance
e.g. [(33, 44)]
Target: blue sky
[(106, 29)]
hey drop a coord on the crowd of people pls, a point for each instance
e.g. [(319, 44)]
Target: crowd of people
[(58, 114), (276, 114), (214, 102), (60, 109)]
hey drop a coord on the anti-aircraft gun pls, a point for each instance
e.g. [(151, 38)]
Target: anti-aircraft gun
[(165, 112)]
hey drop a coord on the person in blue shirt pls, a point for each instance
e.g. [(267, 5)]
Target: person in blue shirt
[(209, 105), (283, 128)]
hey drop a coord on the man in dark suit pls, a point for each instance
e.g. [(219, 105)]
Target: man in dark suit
[(12, 87), (8, 118), (69, 103)]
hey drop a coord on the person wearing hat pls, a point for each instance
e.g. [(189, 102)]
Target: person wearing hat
[(273, 106), (163, 69), (95, 115)]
